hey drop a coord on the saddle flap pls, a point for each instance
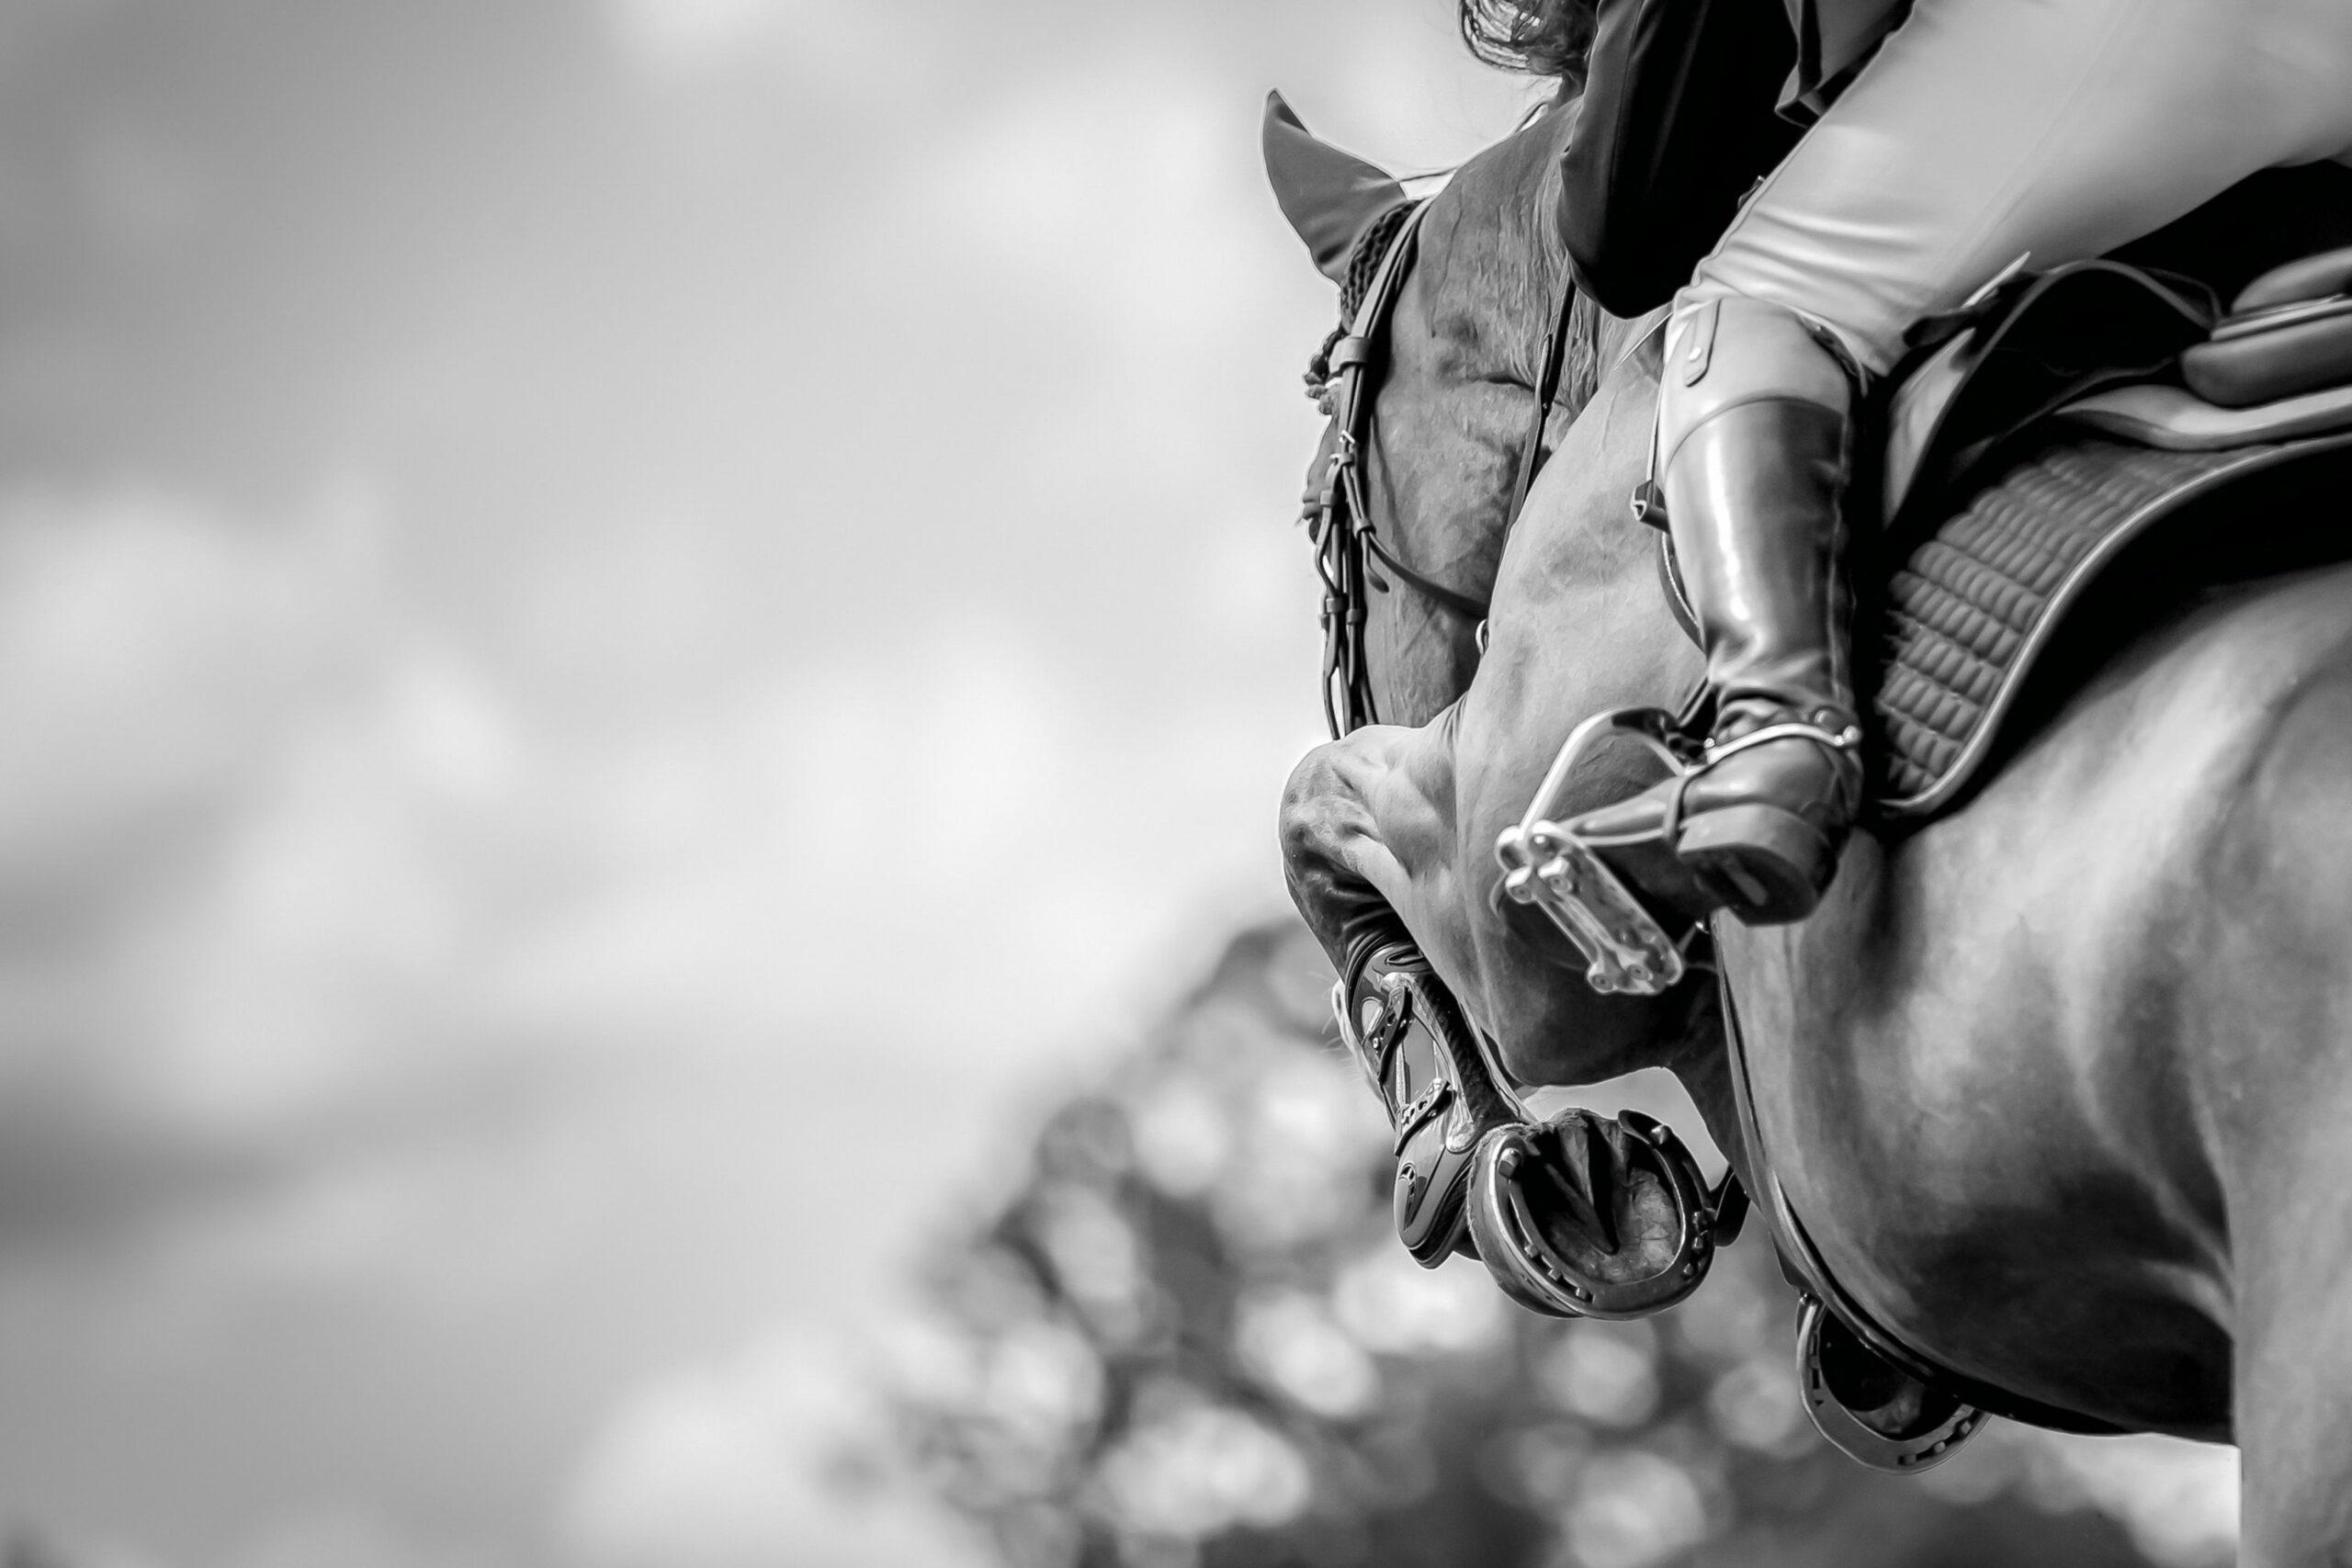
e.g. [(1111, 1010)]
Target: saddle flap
[(1985, 374)]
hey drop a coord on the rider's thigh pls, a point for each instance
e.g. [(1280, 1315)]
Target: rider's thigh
[(1986, 130)]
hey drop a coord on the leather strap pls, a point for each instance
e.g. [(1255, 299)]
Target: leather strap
[(1461, 603), (1352, 363), (1547, 388), (1338, 514)]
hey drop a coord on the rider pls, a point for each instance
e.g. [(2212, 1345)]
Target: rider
[(1956, 140)]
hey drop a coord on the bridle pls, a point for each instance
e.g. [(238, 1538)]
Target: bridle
[(1339, 522)]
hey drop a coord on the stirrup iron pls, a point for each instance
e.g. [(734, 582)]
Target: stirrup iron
[(1625, 949)]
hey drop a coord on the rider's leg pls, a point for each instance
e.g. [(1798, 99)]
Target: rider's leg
[(1984, 131), (1754, 439)]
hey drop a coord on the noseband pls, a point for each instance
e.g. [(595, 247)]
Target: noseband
[(1340, 523)]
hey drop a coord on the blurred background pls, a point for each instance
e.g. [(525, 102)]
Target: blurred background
[(646, 648)]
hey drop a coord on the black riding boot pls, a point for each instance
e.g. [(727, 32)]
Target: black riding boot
[(1754, 439)]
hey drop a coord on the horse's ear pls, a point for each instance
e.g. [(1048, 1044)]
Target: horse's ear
[(1329, 196)]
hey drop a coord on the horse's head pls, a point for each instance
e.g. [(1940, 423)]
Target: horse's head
[(1406, 819), (1455, 362)]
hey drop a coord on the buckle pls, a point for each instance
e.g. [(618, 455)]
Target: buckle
[(1627, 950), (1373, 1043)]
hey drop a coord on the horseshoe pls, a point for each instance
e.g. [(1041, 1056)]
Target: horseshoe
[(1560, 1243), (1869, 1410), (1581, 1216)]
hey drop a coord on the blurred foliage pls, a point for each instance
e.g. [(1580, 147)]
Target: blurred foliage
[(1188, 1337)]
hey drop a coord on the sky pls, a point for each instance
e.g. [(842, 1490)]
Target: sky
[(626, 628)]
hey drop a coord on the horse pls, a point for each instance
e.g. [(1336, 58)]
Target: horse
[(2057, 1081)]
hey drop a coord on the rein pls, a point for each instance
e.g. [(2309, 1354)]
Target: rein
[(1338, 521)]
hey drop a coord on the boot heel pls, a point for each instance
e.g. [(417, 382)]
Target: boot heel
[(1769, 865)]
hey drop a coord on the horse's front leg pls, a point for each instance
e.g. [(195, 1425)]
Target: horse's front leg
[(1580, 1215), (1365, 846)]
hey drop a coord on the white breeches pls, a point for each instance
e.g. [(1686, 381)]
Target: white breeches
[(1988, 129)]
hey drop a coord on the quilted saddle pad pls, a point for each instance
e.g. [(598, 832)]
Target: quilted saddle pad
[(1977, 601)]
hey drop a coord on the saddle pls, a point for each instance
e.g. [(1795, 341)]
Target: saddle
[(2054, 454)]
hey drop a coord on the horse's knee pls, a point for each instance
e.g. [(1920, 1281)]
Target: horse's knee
[(1321, 817), (1327, 831)]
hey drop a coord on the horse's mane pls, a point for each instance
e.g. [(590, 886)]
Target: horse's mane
[(1549, 38), (1491, 230)]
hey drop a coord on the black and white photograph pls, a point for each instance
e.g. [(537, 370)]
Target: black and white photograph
[(1210, 784)]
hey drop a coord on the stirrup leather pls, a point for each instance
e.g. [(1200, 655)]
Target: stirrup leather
[(1544, 864)]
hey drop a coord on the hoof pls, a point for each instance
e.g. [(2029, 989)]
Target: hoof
[(1585, 1232), (1871, 1410), (1768, 866)]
